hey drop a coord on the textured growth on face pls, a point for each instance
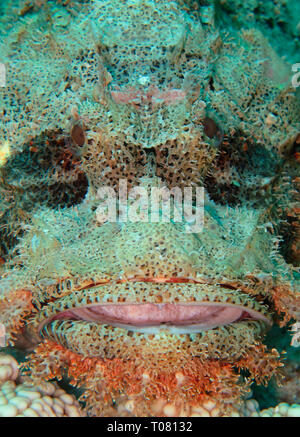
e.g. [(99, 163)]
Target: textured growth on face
[(149, 314)]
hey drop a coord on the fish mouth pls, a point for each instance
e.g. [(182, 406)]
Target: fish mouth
[(181, 318), (151, 317)]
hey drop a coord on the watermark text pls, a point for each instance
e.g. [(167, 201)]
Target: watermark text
[(2, 335), (296, 337), (296, 77), (2, 75), (155, 204)]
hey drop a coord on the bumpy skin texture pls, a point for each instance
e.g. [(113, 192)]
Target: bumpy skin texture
[(45, 399), (140, 263), (157, 118)]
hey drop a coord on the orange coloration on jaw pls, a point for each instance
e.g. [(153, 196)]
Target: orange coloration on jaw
[(261, 364), (286, 303), (198, 381), (15, 308)]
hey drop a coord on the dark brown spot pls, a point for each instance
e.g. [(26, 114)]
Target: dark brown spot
[(78, 135), (210, 127)]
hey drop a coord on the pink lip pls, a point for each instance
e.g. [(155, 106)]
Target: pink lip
[(200, 316)]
